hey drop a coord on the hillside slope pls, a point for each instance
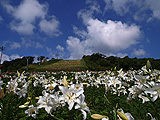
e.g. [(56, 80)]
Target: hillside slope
[(62, 65)]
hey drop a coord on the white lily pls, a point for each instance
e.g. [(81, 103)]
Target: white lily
[(150, 116), (82, 106), (46, 101), (31, 111), (70, 95), (154, 91), (144, 98), (114, 81), (21, 92), (1, 83)]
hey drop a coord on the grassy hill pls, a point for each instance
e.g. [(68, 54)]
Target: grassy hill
[(58, 65)]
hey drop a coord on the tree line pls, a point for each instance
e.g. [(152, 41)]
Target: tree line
[(98, 61), (16, 64), (19, 63)]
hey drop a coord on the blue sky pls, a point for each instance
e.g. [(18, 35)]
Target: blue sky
[(70, 29)]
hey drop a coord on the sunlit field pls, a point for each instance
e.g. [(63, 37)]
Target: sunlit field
[(106, 95)]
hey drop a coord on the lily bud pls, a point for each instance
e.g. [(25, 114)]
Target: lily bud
[(22, 106), (85, 83), (122, 115), (148, 64), (37, 98), (18, 73), (26, 103), (65, 83), (97, 116)]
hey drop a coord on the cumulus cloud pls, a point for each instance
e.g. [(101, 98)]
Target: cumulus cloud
[(26, 14), (50, 27), (142, 9), (22, 28), (60, 48), (105, 37), (139, 52), (120, 6), (80, 33), (5, 58), (77, 48), (87, 14), (14, 56), (154, 6)]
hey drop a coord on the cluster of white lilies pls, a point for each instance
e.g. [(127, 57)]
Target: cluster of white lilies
[(143, 84)]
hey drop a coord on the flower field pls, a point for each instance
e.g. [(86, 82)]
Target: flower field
[(106, 95)]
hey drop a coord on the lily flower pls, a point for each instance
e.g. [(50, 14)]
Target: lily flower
[(70, 95), (31, 111), (145, 99), (82, 106), (46, 101)]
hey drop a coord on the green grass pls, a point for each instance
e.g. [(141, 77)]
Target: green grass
[(58, 65)]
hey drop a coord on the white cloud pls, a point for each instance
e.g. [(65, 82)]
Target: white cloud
[(87, 14), (121, 55), (15, 45), (140, 8), (105, 37), (81, 33), (50, 27), (29, 10), (22, 28), (14, 56), (77, 48), (60, 48), (26, 14), (5, 58), (120, 6), (155, 7), (112, 36), (139, 52)]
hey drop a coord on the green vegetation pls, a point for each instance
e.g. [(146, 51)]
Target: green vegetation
[(100, 62), (51, 65), (60, 65), (16, 64), (94, 62)]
